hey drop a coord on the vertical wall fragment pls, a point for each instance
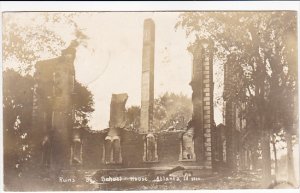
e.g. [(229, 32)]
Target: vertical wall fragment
[(147, 95), (52, 108), (202, 98)]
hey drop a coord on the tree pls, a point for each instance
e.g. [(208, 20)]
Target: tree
[(171, 112), (261, 47), (28, 38), (17, 111), (133, 117), (83, 104), (17, 119)]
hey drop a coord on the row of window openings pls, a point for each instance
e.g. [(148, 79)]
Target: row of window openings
[(112, 153), (76, 152)]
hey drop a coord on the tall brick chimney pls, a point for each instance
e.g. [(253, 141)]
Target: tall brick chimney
[(147, 95)]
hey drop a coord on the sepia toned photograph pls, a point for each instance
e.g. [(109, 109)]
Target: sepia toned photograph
[(161, 100)]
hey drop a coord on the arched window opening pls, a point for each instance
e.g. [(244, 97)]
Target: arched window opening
[(112, 150), (108, 144), (150, 148), (187, 145), (76, 150), (117, 158)]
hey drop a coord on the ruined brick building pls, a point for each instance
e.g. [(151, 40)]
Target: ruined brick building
[(116, 147), (52, 107)]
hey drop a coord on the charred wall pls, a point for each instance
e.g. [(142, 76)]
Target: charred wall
[(132, 151)]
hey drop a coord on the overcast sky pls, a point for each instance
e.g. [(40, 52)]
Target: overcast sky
[(115, 64), (113, 59)]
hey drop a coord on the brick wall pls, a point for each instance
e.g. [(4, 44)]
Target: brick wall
[(132, 150)]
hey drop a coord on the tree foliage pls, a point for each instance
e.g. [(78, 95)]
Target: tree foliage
[(17, 117), (84, 105), (258, 50), (30, 37), (256, 46), (133, 115), (171, 112)]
